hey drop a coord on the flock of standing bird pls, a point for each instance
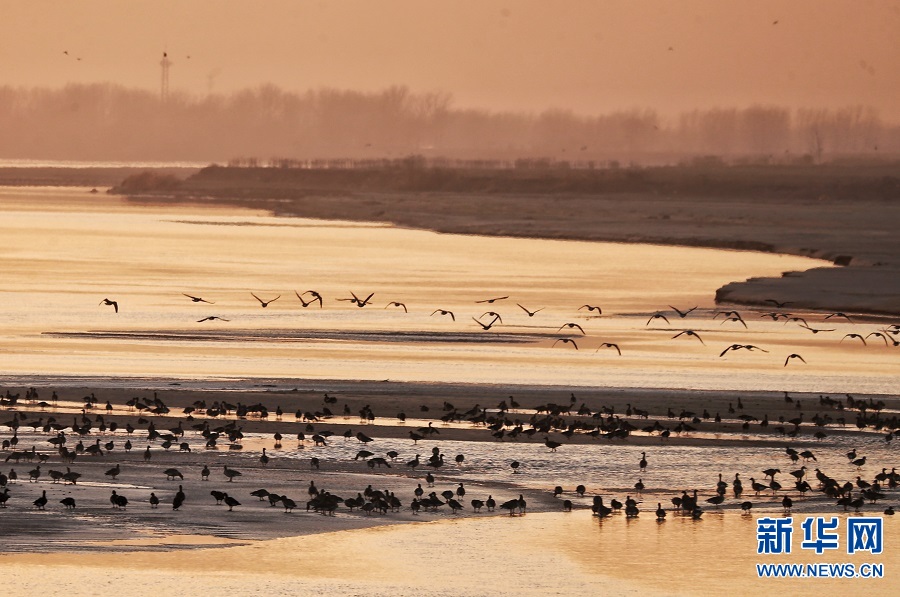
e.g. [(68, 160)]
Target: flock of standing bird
[(207, 424)]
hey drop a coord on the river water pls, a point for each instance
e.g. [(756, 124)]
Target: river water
[(65, 250)]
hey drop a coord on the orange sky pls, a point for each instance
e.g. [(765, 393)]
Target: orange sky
[(592, 57)]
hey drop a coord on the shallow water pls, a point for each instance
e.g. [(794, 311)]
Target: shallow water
[(537, 554), (65, 250)]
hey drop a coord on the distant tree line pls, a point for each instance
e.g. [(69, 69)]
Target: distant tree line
[(287, 129)]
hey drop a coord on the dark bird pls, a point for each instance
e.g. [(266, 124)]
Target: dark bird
[(307, 303), (487, 326), (531, 313), (396, 304), (114, 304), (231, 502), (591, 308), (839, 314), (493, 314), (551, 444), (609, 345), (41, 501), (358, 301), (681, 314), (212, 318), (154, 501), (883, 337), (815, 330), (780, 305), (749, 347), (861, 339), (179, 498), (657, 316), (444, 312), (690, 333), (565, 341), (793, 356), (315, 297), (263, 303), (571, 326), (643, 463), (197, 299), (231, 473), (68, 502), (492, 300), (738, 319)]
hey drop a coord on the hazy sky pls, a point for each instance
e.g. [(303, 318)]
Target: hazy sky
[(592, 57)]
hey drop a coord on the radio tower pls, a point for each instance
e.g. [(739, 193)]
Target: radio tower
[(165, 63)]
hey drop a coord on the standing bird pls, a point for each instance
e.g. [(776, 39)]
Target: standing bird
[(154, 501), (114, 304), (231, 473), (263, 303), (179, 499), (231, 502), (41, 501), (643, 463), (204, 474)]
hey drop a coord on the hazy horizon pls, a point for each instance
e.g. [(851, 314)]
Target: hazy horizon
[(525, 57)]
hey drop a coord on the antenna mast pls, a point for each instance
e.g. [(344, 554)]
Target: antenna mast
[(165, 63)]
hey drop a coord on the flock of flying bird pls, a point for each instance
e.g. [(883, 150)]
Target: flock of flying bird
[(487, 320)]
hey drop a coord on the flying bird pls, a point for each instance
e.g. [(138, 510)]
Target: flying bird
[(487, 326), (780, 305), (114, 304), (493, 314), (608, 345), (883, 337), (690, 333), (491, 300), (197, 299), (396, 304), (572, 326), (738, 319), (304, 302), (657, 316), (851, 336), (839, 314), (591, 308), (750, 347), (530, 313), (212, 318), (444, 312), (315, 297), (815, 330), (265, 303), (565, 341), (681, 314), (793, 356)]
